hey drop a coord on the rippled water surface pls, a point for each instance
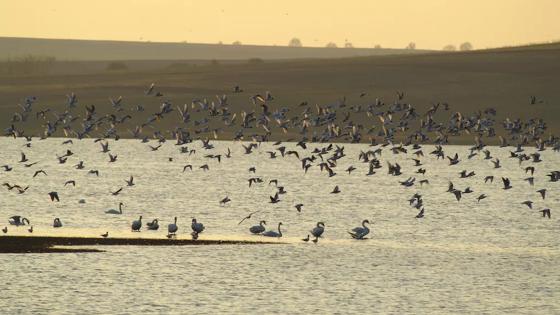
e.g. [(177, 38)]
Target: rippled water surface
[(496, 256)]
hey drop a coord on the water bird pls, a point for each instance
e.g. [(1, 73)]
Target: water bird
[(30, 230), (224, 201), (57, 223), (360, 232), (528, 203), (70, 182), (154, 225), (39, 172), (420, 214), (482, 196), (54, 196), (105, 235), (5, 230), (336, 190), (18, 220), (258, 229), (114, 211), (318, 230), (172, 228), (130, 182), (542, 192), (298, 207), (272, 233), (506, 182), (137, 225), (306, 239), (545, 213), (197, 226)]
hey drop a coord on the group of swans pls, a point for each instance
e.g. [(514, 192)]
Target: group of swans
[(172, 228), (358, 233)]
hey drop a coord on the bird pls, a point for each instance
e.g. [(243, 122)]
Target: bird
[(172, 228), (248, 216), (5, 230), (57, 223), (336, 190), (507, 184), (39, 172), (258, 229), (420, 214), (114, 211), (542, 192), (528, 203), (274, 199), (115, 193), (272, 233), (318, 230), (70, 182), (54, 196), (154, 225), (482, 196), (137, 225), (298, 207), (306, 239), (545, 213), (130, 182), (18, 220), (360, 232), (30, 230), (224, 201), (105, 235), (197, 226)]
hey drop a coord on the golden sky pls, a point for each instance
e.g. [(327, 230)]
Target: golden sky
[(390, 23)]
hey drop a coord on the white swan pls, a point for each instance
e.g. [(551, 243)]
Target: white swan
[(318, 230), (137, 225), (359, 232), (113, 211), (172, 228), (274, 233), (258, 229)]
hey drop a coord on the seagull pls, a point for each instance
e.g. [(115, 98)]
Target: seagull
[(306, 239), (248, 217), (130, 182), (105, 235), (528, 203), (274, 199), (545, 213), (506, 183), (5, 230), (115, 193), (225, 201), (336, 190), (298, 207), (483, 196), (542, 192), (39, 172), (70, 182), (420, 214), (54, 196)]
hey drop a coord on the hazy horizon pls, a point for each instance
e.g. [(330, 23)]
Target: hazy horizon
[(431, 24)]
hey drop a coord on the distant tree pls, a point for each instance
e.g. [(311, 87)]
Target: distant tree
[(348, 45), (116, 66), (295, 42), (377, 46), (236, 43), (220, 43), (331, 45), (466, 46), (449, 48), (411, 46)]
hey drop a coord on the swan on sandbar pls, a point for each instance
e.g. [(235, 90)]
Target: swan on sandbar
[(114, 211), (273, 233), (258, 229), (359, 232), (137, 225), (154, 225), (57, 223), (18, 220)]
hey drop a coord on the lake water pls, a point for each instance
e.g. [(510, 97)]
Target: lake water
[(496, 256)]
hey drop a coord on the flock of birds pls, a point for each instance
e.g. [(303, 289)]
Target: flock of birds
[(408, 134)]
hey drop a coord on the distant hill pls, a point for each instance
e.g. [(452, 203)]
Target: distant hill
[(70, 49)]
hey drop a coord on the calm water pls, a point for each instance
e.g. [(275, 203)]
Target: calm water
[(497, 256)]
